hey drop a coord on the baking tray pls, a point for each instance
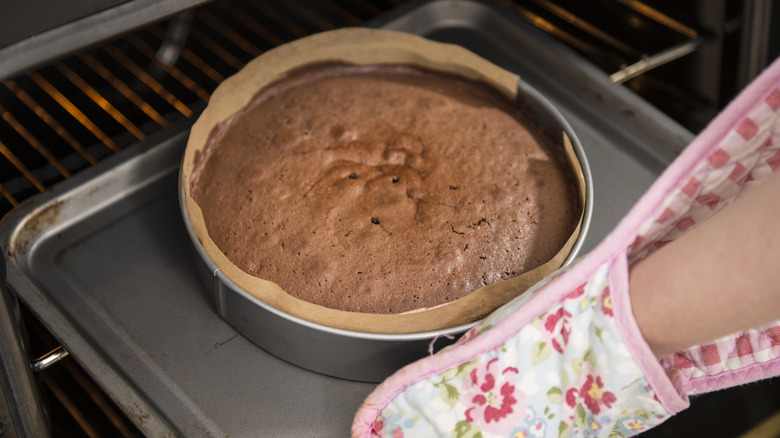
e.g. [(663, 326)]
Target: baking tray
[(103, 258)]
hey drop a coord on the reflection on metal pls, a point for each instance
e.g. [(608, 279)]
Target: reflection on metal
[(175, 38), (187, 55), (175, 73), (49, 359), (650, 62)]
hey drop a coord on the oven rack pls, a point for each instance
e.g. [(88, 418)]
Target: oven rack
[(75, 111), (69, 115)]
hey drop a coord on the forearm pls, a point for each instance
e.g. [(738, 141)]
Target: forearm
[(717, 279)]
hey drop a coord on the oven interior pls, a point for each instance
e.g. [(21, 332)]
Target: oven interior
[(68, 110)]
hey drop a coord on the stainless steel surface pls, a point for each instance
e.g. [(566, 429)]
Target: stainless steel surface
[(68, 36), (21, 409), (757, 19), (348, 354), (31, 18), (102, 258)]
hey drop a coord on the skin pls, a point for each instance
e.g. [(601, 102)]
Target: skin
[(720, 278)]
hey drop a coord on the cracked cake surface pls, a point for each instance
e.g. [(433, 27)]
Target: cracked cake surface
[(382, 189)]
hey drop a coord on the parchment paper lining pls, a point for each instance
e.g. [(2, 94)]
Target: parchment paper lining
[(362, 47)]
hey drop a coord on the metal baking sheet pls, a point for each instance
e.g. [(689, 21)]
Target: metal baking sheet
[(104, 261)]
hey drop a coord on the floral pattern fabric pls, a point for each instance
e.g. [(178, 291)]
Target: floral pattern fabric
[(566, 373)]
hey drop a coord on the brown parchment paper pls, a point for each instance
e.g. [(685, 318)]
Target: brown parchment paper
[(363, 47)]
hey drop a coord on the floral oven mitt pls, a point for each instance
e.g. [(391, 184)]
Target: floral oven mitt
[(567, 358)]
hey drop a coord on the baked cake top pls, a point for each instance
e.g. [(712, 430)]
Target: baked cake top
[(382, 189)]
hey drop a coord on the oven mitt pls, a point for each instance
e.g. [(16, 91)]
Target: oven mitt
[(567, 358)]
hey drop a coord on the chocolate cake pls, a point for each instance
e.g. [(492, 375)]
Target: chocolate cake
[(382, 189)]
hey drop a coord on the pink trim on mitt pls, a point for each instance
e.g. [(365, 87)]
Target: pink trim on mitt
[(673, 399)]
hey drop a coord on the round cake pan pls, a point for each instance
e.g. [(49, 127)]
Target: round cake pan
[(355, 355)]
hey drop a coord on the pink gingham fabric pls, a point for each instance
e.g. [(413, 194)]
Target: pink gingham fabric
[(744, 156), (738, 158), (732, 360), (567, 358)]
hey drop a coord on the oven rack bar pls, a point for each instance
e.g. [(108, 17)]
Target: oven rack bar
[(68, 115), (75, 111)]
